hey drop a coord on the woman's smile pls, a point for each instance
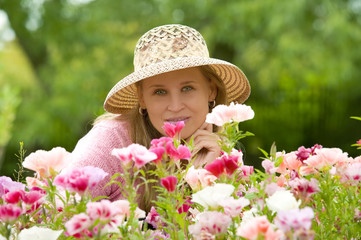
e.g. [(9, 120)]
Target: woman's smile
[(174, 120)]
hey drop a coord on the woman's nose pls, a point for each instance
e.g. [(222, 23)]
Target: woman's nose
[(175, 103)]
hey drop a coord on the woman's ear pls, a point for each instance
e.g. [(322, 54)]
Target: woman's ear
[(213, 91), (140, 97)]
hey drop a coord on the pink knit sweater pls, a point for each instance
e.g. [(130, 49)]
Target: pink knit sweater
[(95, 148)]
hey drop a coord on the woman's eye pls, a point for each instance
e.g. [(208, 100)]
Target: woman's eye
[(159, 92), (187, 88)]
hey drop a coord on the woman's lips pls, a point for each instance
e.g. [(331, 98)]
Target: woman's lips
[(177, 119)]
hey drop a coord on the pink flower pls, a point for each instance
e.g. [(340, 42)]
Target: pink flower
[(171, 150), (247, 170), (218, 115), (161, 142), (313, 149), (38, 189), (326, 157), (281, 180), (303, 153), (271, 234), (307, 170), (159, 151), (166, 145), (9, 213), (78, 225), (216, 167), (233, 207), (253, 228), (141, 155), (357, 159), (295, 219), (124, 207), (173, 129), (199, 178), (109, 216), (185, 206), (230, 163), (153, 218), (183, 152), (47, 163), (271, 188), (353, 171), (223, 114), (169, 183), (211, 222), (123, 154), (33, 198), (8, 185), (14, 197), (291, 161), (269, 166), (225, 164), (80, 180), (33, 182), (136, 153), (303, 187), (103, 210), (238, 154), (159, 235)]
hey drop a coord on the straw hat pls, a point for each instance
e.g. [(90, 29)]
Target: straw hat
[(168, 48)]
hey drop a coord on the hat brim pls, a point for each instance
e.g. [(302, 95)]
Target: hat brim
[(123, 96)]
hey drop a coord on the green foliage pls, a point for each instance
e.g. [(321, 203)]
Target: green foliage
[(335, 201), (9, 101), (301, 57)]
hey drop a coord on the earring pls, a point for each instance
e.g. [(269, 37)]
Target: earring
[(142, 111), (212, 104)]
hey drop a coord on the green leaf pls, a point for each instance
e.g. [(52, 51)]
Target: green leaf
[(181, 235), (273, 149), (99, 198), (250, 196), (263, 152), (357, 118), (278, 161)]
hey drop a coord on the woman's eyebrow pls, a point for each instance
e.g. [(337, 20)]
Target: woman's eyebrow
[(156, 86), (188, 82)]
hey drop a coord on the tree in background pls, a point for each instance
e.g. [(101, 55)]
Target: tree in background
[(302, 59)]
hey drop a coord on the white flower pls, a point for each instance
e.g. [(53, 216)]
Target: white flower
[(282, 200), (39, 234), (248, 215), (239, 154), (210, 196), (233, 207), (223, 114)]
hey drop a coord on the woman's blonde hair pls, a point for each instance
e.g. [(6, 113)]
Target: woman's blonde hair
[(142, 131)]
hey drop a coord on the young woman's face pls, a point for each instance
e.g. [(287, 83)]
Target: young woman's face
[(181, 95)]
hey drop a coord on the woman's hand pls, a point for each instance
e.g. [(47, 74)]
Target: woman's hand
[(205, 145)]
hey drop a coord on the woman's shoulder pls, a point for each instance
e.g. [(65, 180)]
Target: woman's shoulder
[(111, 123), (107, 133)]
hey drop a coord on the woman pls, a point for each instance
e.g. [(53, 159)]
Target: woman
[(174, 80)]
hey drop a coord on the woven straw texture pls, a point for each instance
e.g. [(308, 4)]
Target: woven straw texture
[(168, 48)]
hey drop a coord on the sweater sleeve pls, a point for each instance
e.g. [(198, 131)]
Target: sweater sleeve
[(95, 148)]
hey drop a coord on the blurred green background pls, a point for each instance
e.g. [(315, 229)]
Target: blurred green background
[(59, 59)]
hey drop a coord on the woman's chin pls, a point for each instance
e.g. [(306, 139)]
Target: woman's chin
[(186, 135)]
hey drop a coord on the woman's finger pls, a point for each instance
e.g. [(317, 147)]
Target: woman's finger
[(206, 126)]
